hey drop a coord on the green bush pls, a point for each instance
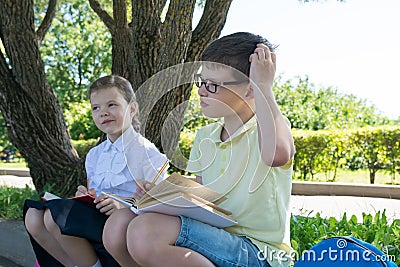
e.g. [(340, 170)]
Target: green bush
[(372, 148), (12, 200), (181, 155), (80, 123), (82, 147)]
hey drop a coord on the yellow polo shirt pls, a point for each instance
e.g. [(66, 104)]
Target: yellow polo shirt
[(257, 195)]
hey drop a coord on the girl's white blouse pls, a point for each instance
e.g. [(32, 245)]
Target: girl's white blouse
[(113, 167)]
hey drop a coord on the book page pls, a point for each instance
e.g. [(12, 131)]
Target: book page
[(49, 196), (127, 201), (182, 204), (178, 183)]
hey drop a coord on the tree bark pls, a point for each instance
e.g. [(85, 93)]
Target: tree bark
[(29, 106)]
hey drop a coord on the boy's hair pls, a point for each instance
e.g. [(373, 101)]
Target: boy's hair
[(234, 50), (124, 87)]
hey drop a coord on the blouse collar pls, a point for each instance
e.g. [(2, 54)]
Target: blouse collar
[(125, 139)]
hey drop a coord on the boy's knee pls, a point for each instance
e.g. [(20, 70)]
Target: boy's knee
[(141, 226), (139, 239), (113, 242)]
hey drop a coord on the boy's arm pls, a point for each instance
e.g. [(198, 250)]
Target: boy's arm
[(275, 138)]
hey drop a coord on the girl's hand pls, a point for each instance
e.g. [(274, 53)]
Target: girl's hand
[(142, 187), (81, 190), (106, 205)]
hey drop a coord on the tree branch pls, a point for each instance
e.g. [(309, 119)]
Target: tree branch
[(21, 48), (122, 53), (120, 16), (145, 28), (209, 27), (46, 23), (177, 30), (103, 15)]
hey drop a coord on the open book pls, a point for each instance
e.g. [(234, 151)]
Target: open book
[(84, 198), (178, 195)]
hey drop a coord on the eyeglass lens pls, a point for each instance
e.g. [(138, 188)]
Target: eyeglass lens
[(211, 87)]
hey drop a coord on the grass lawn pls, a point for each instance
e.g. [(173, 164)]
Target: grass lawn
[(13, 165), (359, 176)]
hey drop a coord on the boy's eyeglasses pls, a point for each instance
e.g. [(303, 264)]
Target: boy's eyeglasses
[(212, 86)]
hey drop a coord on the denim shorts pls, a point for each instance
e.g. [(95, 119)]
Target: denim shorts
[(219, 246)]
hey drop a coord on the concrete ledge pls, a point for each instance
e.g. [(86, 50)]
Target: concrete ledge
[(16, 172), (344, 189)]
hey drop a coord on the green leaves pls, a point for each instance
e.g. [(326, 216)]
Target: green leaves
[(316, 108), (76, 51), (375, 229), (12, 200)]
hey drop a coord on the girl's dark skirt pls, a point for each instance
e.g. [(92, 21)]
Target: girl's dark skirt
[(75, 218)]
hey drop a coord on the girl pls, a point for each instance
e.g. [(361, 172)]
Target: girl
[(68, 232)]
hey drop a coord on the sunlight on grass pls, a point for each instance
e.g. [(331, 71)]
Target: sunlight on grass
[(359, 177), (13, 165)]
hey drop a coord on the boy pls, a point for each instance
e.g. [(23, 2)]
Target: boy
[(248, 159)]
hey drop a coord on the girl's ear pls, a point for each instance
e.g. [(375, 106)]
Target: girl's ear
[(133, 108)]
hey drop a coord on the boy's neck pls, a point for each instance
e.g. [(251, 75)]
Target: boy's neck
[(233, 123)]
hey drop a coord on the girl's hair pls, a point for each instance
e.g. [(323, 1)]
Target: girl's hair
[(124, 87), (234, 50)]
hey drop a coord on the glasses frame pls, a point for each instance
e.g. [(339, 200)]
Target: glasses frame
[(199, 82)]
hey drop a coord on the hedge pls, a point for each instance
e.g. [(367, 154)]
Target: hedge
[(325, 151)]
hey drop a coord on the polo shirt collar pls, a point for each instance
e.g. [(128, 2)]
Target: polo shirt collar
[(216, 133)]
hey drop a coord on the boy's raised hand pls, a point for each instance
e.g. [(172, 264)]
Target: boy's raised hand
[(262, 67)]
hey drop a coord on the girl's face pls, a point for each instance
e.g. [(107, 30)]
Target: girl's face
[(111, 113)]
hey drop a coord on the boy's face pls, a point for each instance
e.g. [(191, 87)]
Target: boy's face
[(111, 113), (228, 100)]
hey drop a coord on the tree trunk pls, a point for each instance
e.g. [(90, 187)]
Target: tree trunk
[(29, 106), (372, 173)]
